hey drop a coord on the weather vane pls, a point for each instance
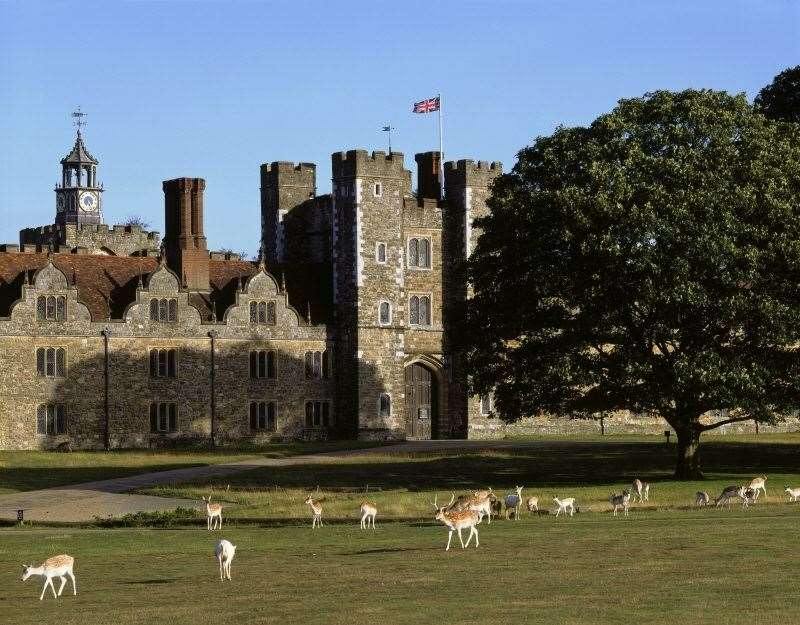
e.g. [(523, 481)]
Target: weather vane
[(79, 118)]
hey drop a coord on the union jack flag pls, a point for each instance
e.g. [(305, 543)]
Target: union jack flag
[(427, 106)]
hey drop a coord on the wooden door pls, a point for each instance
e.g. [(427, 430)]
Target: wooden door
[(420, 401)]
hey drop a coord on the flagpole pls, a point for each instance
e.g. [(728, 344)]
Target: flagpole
[(441, 151)]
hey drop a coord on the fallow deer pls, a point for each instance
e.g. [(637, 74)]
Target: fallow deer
[(457, 521), (514, 501), (213, 514), (758, 484), (532, 503), (702, 498), (794, 493), (57, 566), (565, 505), (225, 552), (641, 490), (316, 511), (621, 501), (368, 513)]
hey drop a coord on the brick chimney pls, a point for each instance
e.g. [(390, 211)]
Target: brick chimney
[(184, 241), (428, 184)]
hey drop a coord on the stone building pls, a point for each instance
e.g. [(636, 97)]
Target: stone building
[(113, 338)]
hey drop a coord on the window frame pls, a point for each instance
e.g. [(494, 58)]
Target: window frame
[(263, 415), (377, 189), (419, 297), (51, 419), (163, 309), (388, 305), (51, 307), (378, 246), (51, 362), (381, 397), (319, 414), (163, 413), (414, 253), (163, 362), (489, 401)]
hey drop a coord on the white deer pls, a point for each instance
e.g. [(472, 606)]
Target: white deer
[(794, 493), (514, 501), (457, 521), (316, 511), (702, 498), (225, 552), (641, 490), (620, 501), (213, 514), (565, 505), (368, 513), (57, 566), (758, 484)]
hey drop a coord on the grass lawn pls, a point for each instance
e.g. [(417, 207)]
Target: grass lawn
[(690, 567), (29, 470), (403, 485)]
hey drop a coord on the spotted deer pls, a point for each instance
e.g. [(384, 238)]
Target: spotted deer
[(57, 566), (316, 511), (482, 505), (225, 552), (368, 513), (213, 513), (455, 521), (758, 484)]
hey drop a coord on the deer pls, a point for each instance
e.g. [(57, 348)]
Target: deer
[(620, 501), (641, 490), (514, 501), (532, 503), (565, 505), (457, 521), (794, 493), (758, 484), (729, 492), (702, 498), (368, 513), (213, 513), (225, 552), (316, 511), (57, 566), (482, 505)]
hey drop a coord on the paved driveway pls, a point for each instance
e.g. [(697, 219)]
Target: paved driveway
[(110, 498)]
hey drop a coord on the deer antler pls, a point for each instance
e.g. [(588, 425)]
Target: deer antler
[(452, 499), (435, 503)]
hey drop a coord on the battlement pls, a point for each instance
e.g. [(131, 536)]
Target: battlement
[(285, 173), (468, 172), (224, 256), (354, 163)]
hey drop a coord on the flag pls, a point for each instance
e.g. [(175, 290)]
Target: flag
[(427, 106), (387, 129)]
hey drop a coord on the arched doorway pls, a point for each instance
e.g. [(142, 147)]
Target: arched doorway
[(421, 402)]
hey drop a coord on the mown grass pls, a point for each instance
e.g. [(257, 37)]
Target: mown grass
[(404, 485), (29, 470), (691, 567)]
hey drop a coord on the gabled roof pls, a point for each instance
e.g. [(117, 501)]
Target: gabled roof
[(107, 284), (79, 153)]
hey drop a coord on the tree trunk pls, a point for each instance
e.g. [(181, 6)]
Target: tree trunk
[(688, 466)]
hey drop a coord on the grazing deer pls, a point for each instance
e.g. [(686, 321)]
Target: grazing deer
[(225, 552), (316, 510), (620, 501), (565, 505), (457, 521), (641, 490), (702, 498), (794, 493), (57, 566), (731, 492), (514, 501), (758, 484), (368, 512), (213, 513), (532, 503)]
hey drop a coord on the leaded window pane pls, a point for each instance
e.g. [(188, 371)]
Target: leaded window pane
[(271, 416), (153, 310), (424, 311), (41, 419), (424, 253), (162, 310), (326, 413), (154, 416), (173, 418), (61, 422), (153, 362), (253, 364), (51, 419), (162, 417), (385, 407), (317, 364), (326, 364), (41, 308), (262, 415), (162, 363), (309, 414), (262, 312), (50, 362), (253, 312), (173, 310), (271, 365), (271, 318), (61, 309), (171, 367), (415, 310), (60, 365), (262, 364), (40, 368), (51, 307), (309, 365), (253, 416), (317, 414), (384, 312), (413, 253)]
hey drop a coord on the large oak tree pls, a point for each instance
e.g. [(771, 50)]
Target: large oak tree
[(649, 262)]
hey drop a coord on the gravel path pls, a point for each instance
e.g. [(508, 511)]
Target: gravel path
[(109, 498)]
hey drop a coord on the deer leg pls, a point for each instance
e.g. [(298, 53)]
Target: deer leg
[(63, 583), (221, 575), (46, 581), (74, 587), (461, 540), (449, 538)]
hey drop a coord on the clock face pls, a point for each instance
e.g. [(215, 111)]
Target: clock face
[(60, 203), (88, 201)]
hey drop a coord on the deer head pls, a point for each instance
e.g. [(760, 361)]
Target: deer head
[(26, 571)]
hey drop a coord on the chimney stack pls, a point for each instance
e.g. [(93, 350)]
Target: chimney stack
[(184, 240), (428, 183)]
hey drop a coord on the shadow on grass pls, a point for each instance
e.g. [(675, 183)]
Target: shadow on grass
[(366, 552), (148, 582)]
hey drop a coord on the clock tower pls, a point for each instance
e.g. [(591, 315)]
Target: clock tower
[(78, 196)]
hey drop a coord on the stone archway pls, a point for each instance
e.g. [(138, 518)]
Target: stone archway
[(422, 402)]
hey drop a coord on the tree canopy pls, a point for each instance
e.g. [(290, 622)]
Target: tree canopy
[(649, 262), (780, 99)]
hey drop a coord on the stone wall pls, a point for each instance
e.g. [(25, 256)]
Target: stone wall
[(119, 240)]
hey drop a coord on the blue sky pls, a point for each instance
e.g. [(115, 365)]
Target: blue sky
[(213, 89)]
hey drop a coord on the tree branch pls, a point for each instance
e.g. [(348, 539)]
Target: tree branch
[(712, 426)]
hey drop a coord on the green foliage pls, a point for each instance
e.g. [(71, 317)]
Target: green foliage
[(162, 519), (780, 99), (649, 262)]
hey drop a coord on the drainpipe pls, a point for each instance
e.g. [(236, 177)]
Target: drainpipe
[(213, 335), (106, 430)]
